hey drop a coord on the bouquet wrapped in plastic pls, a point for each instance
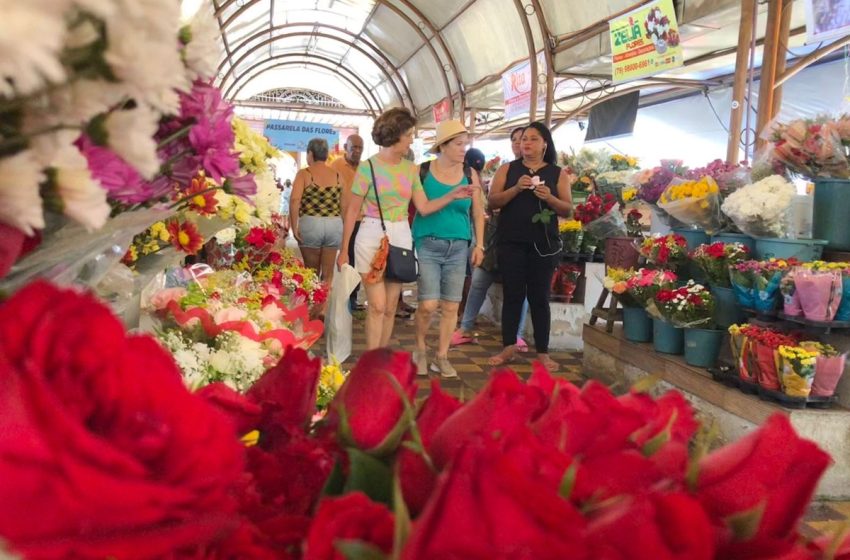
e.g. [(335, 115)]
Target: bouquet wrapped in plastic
[(715, 259), (759, 361), (695, 203), (819, 292), (666, 251), (691, 306), (571, 235), (796, 367), (601, 217), (790, 297), (829, 367), (813, 147), (761, 209), (644, 284), (843, 312)]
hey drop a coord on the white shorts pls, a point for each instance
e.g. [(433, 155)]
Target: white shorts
[(369, 237)]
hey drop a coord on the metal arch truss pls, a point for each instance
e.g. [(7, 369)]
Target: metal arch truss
[(424, 21), (298, 95)]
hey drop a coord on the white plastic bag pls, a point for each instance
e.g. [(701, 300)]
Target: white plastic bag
[(338, 315)]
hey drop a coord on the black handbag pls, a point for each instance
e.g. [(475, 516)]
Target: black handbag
[(401, 262)]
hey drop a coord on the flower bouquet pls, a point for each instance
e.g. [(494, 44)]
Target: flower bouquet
[(829, 367), (729, 177), (614, 183), (796, 367), (819, 292), (571, 234), (644, 284), (813, 147), (843, 313), (491, 167), (565, 280), (585, 164), (659, 31), (600, 217), (634, 227), (331, 378), (653, 182), (691, 306), (761, 360), (616, 281), (715, 260), (666, 251), (790, 297), (761, 209), (694, 203)]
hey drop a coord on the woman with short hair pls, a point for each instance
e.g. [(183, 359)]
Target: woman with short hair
[(389, 179), (315, 214)]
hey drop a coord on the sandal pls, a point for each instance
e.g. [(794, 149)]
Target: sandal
[(459, 337), (506, 356), (521, 345), (550, 364)]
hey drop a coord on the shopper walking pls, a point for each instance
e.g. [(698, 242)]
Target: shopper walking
[(391, 181), (443, 241), (529, 192), (346, 166)]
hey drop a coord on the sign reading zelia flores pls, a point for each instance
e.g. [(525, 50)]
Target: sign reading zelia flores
[(645, 41), (293, 136)]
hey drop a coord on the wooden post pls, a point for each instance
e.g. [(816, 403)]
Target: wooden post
[(745, 35), (773, 42), (781, 57)]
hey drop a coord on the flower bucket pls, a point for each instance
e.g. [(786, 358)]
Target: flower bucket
[(727, 312), (830, 213), (572, 241), (744, 240), (659, 221), (702, 346), (621, 252), (694, 237), (637, 324), (804, 250), (828, 372), (667, 338)]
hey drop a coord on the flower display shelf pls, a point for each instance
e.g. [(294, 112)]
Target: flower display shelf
[(582, 257), (827, 326), (728, 375)]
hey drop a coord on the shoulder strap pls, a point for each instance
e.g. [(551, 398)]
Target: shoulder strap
[(377, 198), (424, 167), (467, 172)]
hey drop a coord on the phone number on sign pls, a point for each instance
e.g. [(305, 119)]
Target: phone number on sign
[(631, 67)]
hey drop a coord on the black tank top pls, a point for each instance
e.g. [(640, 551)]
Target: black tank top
[(515, 219)]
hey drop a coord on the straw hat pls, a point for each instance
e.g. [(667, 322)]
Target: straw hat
[(446, 130)]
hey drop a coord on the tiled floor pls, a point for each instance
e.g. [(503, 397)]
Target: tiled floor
[(471, 362)]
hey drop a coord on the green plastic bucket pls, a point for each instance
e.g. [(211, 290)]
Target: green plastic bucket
[(805, 250), (637, 324), (702, 346), (667, 338), (829, 218), (745, 240), (694, 237), (726, 309)]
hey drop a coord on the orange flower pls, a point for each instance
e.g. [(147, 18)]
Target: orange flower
[(185, 237), (201, 198)]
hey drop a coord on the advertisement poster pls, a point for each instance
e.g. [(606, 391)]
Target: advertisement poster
[(827, 19), (645, 42), (516, 88), (292, 136), (443, 110)]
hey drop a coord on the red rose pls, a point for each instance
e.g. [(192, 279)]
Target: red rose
[(369, 406), (503, 406), (493, 504), (11, 243), (104, 452), (656, 527), (244, 413), (287, 392), (771, 469), (417, 478), (353, 517)]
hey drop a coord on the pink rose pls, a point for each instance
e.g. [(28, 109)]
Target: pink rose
[(229, 314), (162, 298)]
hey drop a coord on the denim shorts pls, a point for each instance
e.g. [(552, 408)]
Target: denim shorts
[(442, 268), (318, 232)]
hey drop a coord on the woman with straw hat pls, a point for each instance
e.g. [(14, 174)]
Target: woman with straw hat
[(391, 181), (443, 241)]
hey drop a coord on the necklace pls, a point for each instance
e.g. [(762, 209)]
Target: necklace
[(532, 169)]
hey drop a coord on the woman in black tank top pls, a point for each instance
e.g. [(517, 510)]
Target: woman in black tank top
[(530, 192)]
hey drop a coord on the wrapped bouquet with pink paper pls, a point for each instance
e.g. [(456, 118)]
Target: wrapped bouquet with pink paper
[(819, 292)]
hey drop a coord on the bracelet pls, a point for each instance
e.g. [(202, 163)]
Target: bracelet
[(480, 247)]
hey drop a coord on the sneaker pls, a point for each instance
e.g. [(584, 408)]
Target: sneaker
[(442, 366), (420, 358), (459, 337)]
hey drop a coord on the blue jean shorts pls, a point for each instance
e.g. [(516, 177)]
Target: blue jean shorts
[(442, 268), (318, 232)]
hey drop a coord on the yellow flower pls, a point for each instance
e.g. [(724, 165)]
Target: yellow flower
[(629, 194), (159, 231), (251, 438), (332, 376), (569, 225), (795, 386), (150, 247)]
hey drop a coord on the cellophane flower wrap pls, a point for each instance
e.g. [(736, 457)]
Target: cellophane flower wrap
[(760, 365), (843, 313), (691, 306), (616, 281), (813, 147), (694, 203), (600, 217), (819, 292), (644, 284), (715, 260), (829, 368), (665, 251), (790, 297), (729, 177), (796, 367), (761, 209), (572, 234)]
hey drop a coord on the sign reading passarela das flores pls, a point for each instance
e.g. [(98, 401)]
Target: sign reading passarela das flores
[(293, 136), (645, 42)]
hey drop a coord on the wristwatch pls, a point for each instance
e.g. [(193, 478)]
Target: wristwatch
[(480, 247)]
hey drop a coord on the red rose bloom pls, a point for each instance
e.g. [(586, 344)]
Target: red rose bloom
[(353, 517), (287, 392), (104, 452)]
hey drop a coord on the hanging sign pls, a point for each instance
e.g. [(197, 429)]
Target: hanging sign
[(294, 135), (516, 88), (442, 111), (645, 42), (826, 19)]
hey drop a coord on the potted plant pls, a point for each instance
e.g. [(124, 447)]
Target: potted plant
[(571, 235), (715, 260), (691, 308)]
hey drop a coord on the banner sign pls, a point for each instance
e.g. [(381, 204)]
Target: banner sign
[(292, 136), (645, 42), (442, 111), (516, 88)]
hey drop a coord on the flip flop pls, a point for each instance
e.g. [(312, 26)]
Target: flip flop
[(459, 338), (521, 345), (499, 360), (550, 364)]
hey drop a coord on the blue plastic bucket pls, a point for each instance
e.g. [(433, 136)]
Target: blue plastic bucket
[(637, 324), (694, 237), (745, 240), (829, 218), (805, 250), (726, 309), (702, 346), (667, 338)]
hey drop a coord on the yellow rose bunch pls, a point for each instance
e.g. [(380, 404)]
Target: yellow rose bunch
[(629, 194), (254, 149), (691, 189), (620, 162), (331, 379), (569, 225)]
